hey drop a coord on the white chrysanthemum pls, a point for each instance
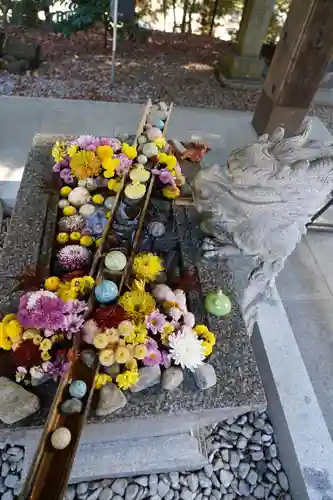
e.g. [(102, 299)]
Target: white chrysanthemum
[(186, 349)]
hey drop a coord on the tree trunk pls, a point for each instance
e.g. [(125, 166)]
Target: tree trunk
[(213, 16), (164, 14), (189, 24), (174, 15), (185, 9)]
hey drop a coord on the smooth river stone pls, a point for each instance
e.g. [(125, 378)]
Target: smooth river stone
[(16, 403), (111, 399), (148, 376)]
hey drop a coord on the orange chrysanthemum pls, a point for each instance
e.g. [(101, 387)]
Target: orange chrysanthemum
[(85, 164)]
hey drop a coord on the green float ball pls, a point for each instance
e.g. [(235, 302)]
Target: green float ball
[(217, 303)]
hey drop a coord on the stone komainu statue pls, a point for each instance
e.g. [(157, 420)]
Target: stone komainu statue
[(259, 204)]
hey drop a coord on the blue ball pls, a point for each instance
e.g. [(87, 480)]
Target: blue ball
[(159, 124), (106, 291), (77, 389)]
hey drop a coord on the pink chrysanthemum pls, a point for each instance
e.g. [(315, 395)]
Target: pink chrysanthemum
[(155, 322)]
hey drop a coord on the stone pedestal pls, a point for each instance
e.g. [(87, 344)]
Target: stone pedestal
[(243, 66), (157, 430)]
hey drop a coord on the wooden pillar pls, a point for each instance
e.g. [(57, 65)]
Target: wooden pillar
[(303, 52)]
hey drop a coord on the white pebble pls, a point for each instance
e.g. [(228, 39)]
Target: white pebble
[(61, 438)]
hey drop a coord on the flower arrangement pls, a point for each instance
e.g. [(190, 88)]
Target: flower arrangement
[(146, 328), (40, 334)]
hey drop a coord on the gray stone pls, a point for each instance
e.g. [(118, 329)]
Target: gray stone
[(174, 477), (172, 377), (11, 480), (207, 492), (88, 356), (162, 488), (8, 495), (2, 485), (204, 481), (215, 481), (271, 477), (183, 480), (95, 494), (259, 492), (244, 488), (255, 447), (70, 493), (187, 494), (236, 428), (257, 455), (277, 464), (217, 494), (226, 477), (119, 486), (4, 469), (153, 481), (225, 455), (169, 495), (110, 400), (20, 466), (131, 491), (15, 452), (259, 423), (5, 457), (71, 406), (13, 466), (15, 402), (106, 494), (256, 438), (229, 496), (283, 480), (93, 485), (117, 497), (141, 480), (193, 482), (266, 438), (234, 459), (243, 470), (205, 376), (273, 451), (199, 496), (247, 431), (252, 477), (149, 376), (218, 464), (225, 444), (208, 470), (268, 429), (82, 488), (242, 443)]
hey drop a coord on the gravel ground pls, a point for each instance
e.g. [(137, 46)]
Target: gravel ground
[(244, 464), (11, 464)]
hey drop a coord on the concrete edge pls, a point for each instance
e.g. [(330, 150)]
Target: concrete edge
[(304, 443)]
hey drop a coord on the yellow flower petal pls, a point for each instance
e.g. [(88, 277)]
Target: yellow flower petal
[(106, 357), (104, 152), (101, 340)]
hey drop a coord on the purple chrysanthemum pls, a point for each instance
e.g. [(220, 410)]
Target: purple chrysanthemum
[(74, 257), (155, 322), (165, 359), (65, 172), (41, 309), (84, 141)]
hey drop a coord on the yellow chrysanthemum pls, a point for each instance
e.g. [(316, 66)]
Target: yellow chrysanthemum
[(72, 150), (147, 266), (67, 292), (171, 162), (13, 330), (106, 357), (203, 332), (8, 317), (110, 165), (65, 190), (45, 355), (129, 151), (140, 351), (5, 342), (37, 339), (127, 379), (132, 365), (101, 379), (140, 333), (104, 152), (122, 354), (114, 184), (98, 199), (52, 283), (45, 345), (168, 329), (86, 241), (69, 210), (160, 141), (162, 158), (62, 238), (85, 164), (137, 304), (76, 236), (59, 151), (101, 340), (30, 333), (113, 335), (98, 242), (208, 348), (139, 285), (170, 192), (125, 328)]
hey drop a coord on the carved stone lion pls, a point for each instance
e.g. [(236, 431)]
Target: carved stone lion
[(260, 203)]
